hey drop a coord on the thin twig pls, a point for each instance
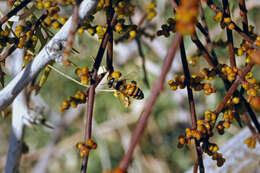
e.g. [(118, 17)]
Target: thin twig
[(73, 30), (251, 114), (110, 43), (91, 96), (244, 34), (140, 50), (231, 51), (206, 33), (250, 127), (156, 90), (13, 12), (191, 102), (243, 14), (211, 61)]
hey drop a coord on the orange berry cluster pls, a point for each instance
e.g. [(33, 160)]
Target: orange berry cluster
[(201, 134), (250, 142), (229, 72), (46, 4), (195, 83), (150, 10), (53, 20), (219, 158), (224, 21), (27, 39), (219, 16), (121, 27), (167, 28), (124, 9), (250, 85), (211, 149), (83, 74), (244, 47), (5, 39), (228, 23), (210, 73), (79, 98), (186, 16), (84, 148), (228, 116)]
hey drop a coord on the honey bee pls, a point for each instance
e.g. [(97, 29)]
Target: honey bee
[(123, 89)]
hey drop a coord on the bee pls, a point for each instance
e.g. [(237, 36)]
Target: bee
[(123, 89)]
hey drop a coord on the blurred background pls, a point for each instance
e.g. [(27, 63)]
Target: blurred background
[(53, 150)]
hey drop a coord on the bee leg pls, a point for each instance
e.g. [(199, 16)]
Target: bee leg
[(127, 101)]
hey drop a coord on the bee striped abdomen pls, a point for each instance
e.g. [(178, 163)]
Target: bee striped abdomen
[(134, 92)]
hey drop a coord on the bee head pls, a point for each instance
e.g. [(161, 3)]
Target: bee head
[(116, 75)]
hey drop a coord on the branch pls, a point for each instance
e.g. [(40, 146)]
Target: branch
[(52, 51), (242, 158), (156, 90), (73, 30), (191, 104), (231, 51), (243, 13), (94, 82), (13, 12), (19, 111)]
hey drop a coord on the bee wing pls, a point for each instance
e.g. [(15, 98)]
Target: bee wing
[(132, 75)]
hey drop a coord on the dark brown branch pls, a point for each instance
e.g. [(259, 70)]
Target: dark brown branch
[(88, 125), (205, 31), (156, 90), (91, 96), (251, 114), (139, 47), (191, 102), (8, 52), (13, 12), (226, 82), (140, 51), (244, 34), (110, 43), (104, 44), (231, 50), (211, 61), (243, 14)]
